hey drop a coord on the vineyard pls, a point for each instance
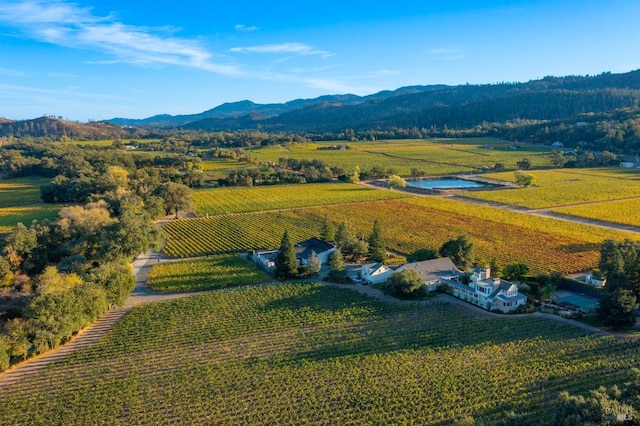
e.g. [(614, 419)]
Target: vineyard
[(313, 354), (207, 273), (562, 187), (260, 198), (625, 212), (235, 233), (546, 245), (443, 157)]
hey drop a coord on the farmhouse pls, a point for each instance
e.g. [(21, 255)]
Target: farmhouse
[(433, 271), (321, 248), (487, 292), (266, 258), (375, 273), (481, 289)]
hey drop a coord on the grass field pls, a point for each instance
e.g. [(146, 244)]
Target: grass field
[(434, 158), (546, 245), (214, 165), (260, 198), (556, 188), (10, 216), (207, 273), (313, 354), (20, 202), (21, 191)]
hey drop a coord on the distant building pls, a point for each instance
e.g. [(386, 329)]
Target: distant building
[(557, 144)]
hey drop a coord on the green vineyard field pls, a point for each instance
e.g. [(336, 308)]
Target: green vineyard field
[(293, 354), (242, 199), (206, 273), (555, 188)]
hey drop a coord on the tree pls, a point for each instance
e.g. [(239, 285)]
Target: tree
[(515, 271), (524, 179), (355, 177), (524, 164), (19, 244), (405, 283), (51, 281), (286, 262), (337, 267), (616, 308), (177, 197), (422, 254), (620, 265), (460, 250), (557, 158), (377, 244), (314, 264), (4, 353), (346, 237), (395, 180), (327, 229)]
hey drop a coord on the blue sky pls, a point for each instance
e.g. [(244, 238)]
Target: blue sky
[(94, 60)]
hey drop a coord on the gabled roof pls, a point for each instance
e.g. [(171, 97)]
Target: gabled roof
[(304, 249), (434, 269)]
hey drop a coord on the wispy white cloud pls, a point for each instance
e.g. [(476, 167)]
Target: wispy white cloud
[(294, 47), (242, 27), (11, 90), (448, 54), (7, 72), (67, 24)]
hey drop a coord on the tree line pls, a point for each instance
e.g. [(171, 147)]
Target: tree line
[(60, 275)]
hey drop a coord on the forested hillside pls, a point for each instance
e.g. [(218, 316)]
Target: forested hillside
[(59, 129)]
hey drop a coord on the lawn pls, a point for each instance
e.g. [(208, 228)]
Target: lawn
[(207, 273), (315, 354)]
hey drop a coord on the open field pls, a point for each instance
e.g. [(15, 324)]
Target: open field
[(207, 273), (20, 202), (555, 188), (212, 165), (433, 158), (546, 245), (314, 354), (20, 191), (10, 216), (260, 198)]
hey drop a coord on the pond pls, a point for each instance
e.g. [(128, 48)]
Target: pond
[(449, 183)]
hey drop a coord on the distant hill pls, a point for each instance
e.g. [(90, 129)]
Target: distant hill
[(465, 106), (420, 106), (234, 110), (56, 128)]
